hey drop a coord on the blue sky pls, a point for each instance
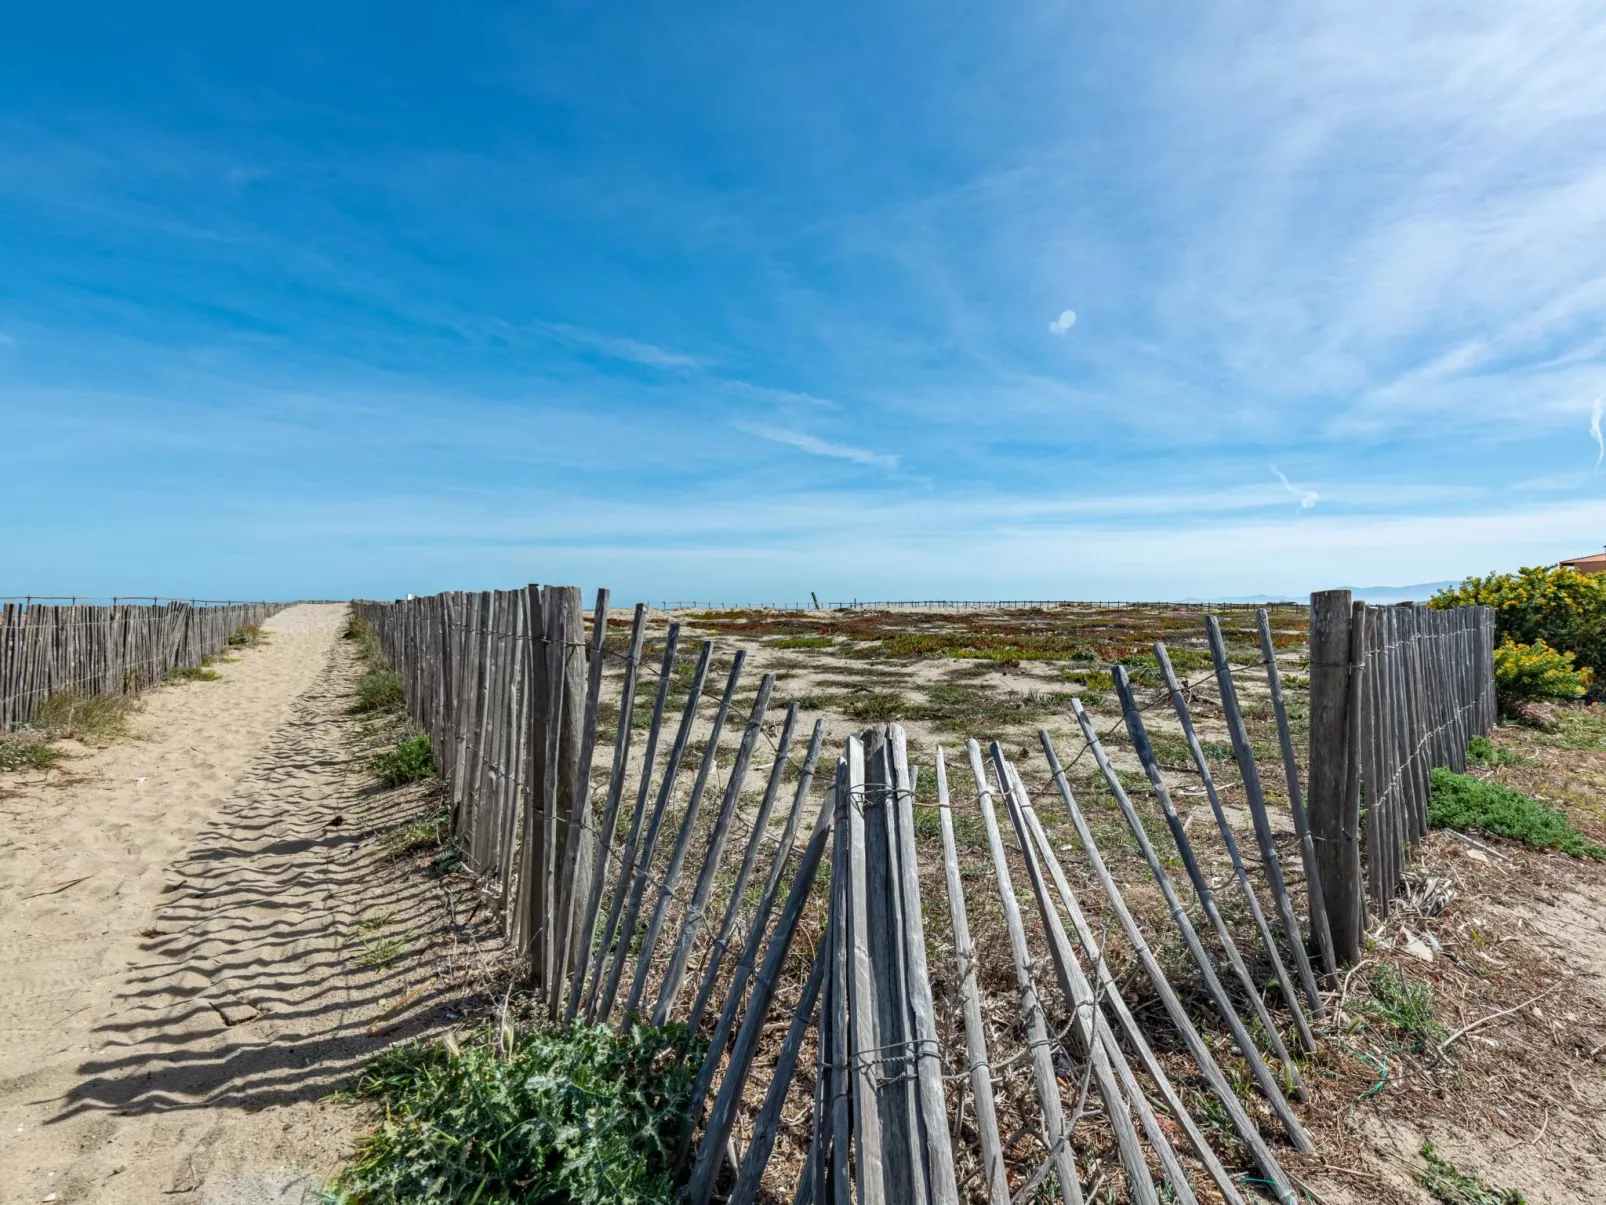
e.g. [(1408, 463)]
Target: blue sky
[(739, 301)]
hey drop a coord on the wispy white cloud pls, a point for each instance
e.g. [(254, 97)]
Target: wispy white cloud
[(1594, 431), (621, 347), (1307, 498), (1333, 217), (815, 446), (783, 398)]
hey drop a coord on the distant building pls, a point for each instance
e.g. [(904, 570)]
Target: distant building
[(1595, 562)]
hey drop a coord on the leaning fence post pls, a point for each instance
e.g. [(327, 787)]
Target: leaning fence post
[(1333, 812)]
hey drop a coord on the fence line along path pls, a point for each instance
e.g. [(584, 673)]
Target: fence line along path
[(123, 648)]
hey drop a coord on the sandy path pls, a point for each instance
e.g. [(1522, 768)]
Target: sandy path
[(183, 928)]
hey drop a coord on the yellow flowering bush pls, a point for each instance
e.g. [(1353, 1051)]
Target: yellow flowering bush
[(1524, 673), (1561, 610)]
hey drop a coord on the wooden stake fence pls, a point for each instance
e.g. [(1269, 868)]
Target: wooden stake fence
[(1395, 691), (610, 882), (511, 690), (86, 651)]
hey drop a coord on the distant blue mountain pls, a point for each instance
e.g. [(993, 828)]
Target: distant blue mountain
[(1420, 592)]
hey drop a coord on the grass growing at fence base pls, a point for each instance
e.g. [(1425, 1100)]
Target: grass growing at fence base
[(248, 635), (1463, 802), (361, 632), (93, 720), (1452, 1186), (429, 833), (27, 755), (1408, 1007), (410, 761), (191, 673), (580, 1116), (970, 830), (380, 690)]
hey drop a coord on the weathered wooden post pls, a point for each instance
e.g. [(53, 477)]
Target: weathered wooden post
[(1334, 811), (565, 635)]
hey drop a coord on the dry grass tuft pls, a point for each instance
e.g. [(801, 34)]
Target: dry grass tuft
[(94, 720), (248, 635)]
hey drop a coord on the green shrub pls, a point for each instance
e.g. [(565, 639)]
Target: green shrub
[(582, 1116), (1526, 673), (1463, 802), (1559, 607), (448, 860), (409, 761), (972, 710), (380, 688)]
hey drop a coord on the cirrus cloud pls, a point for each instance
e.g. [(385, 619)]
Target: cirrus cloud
[(815, 446)]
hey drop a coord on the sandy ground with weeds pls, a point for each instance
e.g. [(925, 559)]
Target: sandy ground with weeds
[(1517, 1099), (201, 940), (1520, 936), (1521, 960), (208, 928)]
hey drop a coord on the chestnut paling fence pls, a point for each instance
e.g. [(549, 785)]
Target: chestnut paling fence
[(1394, 692), (596, 793), (86, 650)]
